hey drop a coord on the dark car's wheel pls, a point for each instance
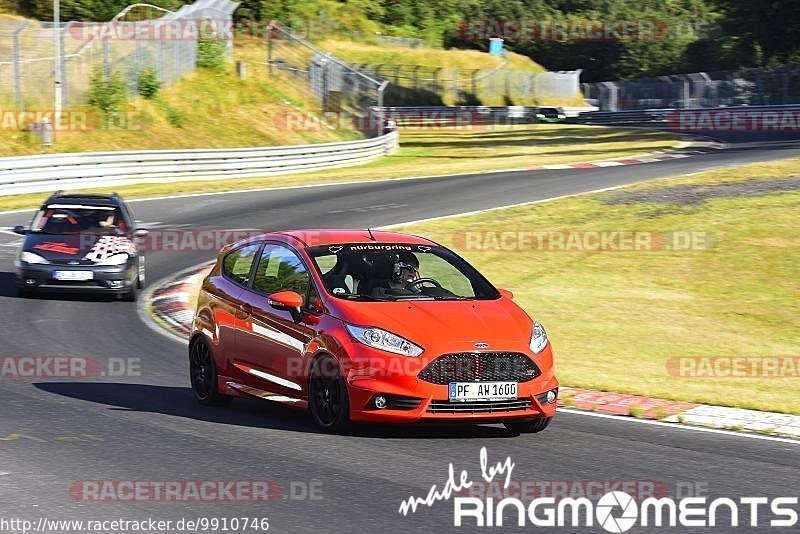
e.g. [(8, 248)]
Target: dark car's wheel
[(141, 278), (132, 294), (203, 375), (528, 427), (327, 396)]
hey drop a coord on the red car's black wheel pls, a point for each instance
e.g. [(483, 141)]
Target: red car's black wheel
[(203, 374), (327, 396)]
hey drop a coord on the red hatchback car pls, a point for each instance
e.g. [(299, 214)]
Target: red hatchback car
[(363, 326)]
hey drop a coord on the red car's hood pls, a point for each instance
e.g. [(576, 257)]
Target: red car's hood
[(445, 325)]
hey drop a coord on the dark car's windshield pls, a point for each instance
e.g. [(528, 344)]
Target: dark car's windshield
[(62, 219), (388, 271)]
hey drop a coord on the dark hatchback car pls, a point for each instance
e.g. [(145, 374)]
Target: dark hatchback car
[(81, 243)]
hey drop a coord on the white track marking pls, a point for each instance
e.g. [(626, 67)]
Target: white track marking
[(679, 426), (529, 203), (557, 166), (607, 163)]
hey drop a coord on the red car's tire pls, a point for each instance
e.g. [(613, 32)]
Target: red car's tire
[(203, 376), (328, 400), (528, 427)]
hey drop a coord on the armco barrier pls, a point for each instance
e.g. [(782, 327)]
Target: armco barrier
[(411, 115), (661, 118), (34, 174)]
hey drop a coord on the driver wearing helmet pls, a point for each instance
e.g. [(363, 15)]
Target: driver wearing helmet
[(405, 269)]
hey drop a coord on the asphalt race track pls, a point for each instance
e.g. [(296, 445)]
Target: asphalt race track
[(148, 427)]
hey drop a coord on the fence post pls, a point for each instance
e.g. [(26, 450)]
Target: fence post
[(63, 61), (17, 67), (456, 72), (106, 59), (269, 48), (381, 113), (325, 84)]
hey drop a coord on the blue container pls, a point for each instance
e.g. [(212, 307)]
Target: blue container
[(495, 46)]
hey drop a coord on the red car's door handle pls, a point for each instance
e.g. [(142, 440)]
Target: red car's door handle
[(246, 309)]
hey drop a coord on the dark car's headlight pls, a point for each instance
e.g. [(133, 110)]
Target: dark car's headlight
[(31, 258), (117, 259), (384, 340), (538, 338)]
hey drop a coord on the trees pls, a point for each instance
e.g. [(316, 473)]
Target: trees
[(694, 34)]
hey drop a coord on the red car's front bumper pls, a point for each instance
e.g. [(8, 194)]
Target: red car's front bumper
[(413, 400)]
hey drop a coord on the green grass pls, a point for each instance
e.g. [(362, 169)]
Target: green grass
[(616, 318), (435, 152)]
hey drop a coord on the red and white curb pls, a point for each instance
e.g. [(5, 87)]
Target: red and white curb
[(686, 150), (170, 303)]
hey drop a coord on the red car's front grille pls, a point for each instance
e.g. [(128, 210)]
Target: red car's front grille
[(480, 366)]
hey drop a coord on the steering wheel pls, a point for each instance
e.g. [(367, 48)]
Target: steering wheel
[(419, 281)]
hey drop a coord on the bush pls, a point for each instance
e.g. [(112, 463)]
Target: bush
[(107, 94), (174, 116), (211, 53), (148, 85)]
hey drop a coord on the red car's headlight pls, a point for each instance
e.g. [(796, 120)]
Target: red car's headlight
[(384, 340), (538, 338)]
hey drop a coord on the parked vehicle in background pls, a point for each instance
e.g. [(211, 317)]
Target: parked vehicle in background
[(550, 115)]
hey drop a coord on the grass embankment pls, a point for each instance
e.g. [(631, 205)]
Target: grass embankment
[(435, 152), (375, 54), (617, 318), (205, 109), (445, 77)]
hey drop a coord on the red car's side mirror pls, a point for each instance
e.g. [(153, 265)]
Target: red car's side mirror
[(286, 300), (506, 293)]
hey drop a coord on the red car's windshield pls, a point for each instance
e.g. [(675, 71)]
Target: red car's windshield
[(389, 271)]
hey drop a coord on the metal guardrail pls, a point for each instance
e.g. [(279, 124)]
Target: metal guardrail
[(463, 115), (665, 118), (33, 174)]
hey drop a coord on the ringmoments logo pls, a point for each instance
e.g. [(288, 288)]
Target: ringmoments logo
[(615, 511)]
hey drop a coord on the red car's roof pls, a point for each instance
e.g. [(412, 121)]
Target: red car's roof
[(313, 238)]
